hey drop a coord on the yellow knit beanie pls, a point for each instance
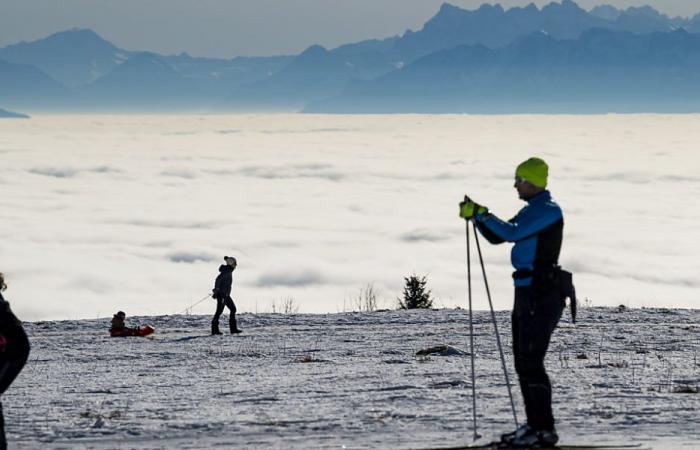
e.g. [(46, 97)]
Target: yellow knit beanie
[(534, 170)]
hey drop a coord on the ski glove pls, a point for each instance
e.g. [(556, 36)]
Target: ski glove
[(469, 209)]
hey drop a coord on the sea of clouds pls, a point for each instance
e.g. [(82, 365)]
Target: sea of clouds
[(135, 212)]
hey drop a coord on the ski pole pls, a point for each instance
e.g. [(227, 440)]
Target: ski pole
[(471, 330), (189, 308), (495, 326)]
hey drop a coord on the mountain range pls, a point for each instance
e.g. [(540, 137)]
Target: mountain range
[(4, 114), (480, 60), (601, 71), (79, 70)]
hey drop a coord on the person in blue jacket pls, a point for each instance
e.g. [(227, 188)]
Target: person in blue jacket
[(537, 232), (222, 294)]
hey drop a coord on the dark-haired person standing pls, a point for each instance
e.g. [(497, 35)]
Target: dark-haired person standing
[(222, 294), (14, 350), (537, 232)]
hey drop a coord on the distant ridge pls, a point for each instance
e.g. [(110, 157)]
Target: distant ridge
[(4, 114), (602, 71), (317, 73), (78, 70), (24, 86), (73, 57)]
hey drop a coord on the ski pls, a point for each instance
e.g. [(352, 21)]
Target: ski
[(498, 446)]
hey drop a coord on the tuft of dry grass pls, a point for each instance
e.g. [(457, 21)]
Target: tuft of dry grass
[(89, 414), (306, 359), (685, 389), (619, 364)]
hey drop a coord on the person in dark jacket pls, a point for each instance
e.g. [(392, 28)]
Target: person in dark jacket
[(118, 323), (537, 232), (222, 294), (14, 350)]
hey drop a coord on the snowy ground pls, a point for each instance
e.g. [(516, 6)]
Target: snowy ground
[(347, 380)]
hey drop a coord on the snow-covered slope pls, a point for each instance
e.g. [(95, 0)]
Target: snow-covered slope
[(348, 380)]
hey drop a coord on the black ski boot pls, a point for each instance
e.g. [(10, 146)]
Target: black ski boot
[(536, 439), (233, 326), (508, 438), (215, 329)]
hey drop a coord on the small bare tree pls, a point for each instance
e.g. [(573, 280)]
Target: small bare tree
[(289, 306), (367, 298)]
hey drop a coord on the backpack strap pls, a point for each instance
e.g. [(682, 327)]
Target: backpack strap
[(569, 290)]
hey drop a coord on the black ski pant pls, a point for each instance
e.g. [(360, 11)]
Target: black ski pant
[(13, 356), (220, 303), (535, 316)]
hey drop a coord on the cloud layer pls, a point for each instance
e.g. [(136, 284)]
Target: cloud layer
[(137, 212)]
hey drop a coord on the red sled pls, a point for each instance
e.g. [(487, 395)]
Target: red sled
[(138, 331)]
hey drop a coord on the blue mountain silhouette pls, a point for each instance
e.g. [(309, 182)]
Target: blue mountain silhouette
[(487, 59), (26, 86), (4, 114), (72, 57), (318, 73), (601, 71)]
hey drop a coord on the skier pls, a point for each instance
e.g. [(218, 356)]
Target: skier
[(14, 350), (222, 294), (539, 300)]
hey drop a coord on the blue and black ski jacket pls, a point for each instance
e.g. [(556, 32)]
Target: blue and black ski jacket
[(537, 232)]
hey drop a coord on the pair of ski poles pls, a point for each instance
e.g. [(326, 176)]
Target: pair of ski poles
[(471, 327)]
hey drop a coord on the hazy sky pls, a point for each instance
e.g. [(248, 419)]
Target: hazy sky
[(244, 27)]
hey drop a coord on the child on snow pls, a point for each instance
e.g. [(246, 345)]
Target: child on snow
[(118, 322), (222, 294), (119, 328)]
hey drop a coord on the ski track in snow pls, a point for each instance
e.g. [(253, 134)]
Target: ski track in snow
[(347, 380)]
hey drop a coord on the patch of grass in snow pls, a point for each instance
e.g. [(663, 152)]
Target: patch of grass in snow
[(684, 389)]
